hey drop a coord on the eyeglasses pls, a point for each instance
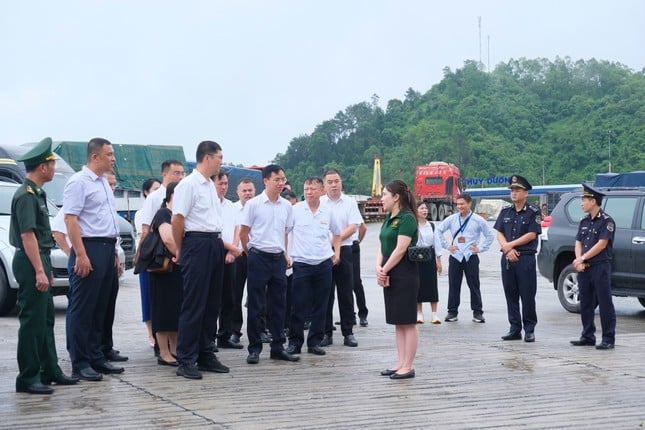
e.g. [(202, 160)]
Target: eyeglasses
[(179, 173), (279, 180)]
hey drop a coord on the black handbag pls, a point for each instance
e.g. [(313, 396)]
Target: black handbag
[(420, 253), (153, 256)]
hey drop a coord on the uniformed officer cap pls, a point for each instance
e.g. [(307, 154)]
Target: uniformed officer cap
[(39, 154), (518, 181), (589, 192)]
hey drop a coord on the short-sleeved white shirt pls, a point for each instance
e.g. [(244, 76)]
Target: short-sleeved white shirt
[(58, 224), (269, 222), (229, 216), (346, 212), (195, 198), (151, 206), (310, 235)]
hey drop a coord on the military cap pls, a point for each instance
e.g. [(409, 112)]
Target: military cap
[(40, 153), (519, 182), (589, 192)]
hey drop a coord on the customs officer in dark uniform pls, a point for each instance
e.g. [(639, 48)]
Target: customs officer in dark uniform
[(31, 234), (594, 243), (518, 227)]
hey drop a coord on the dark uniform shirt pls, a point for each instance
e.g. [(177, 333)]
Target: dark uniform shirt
[(514, 224), (590, 231), (404, 223), (29, 212)]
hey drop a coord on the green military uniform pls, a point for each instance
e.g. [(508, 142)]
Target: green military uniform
[(37, 359)]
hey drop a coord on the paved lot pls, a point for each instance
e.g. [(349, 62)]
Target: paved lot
[(466, 376)]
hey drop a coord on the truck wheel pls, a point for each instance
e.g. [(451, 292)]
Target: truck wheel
[(442, 212), (433, 212), (642, 300), (568, 293), (7, 294)]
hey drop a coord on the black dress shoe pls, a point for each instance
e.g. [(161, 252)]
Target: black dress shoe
[(605, 345), (253, 358), (407, 375), (188, 371), (350, 340), (107, 368), (211, 364), (87, 374), (235, 338), (363, 322), (293, 349), (317, 350), (327, 340), (35, 388), (62, 379), (265, 337), (113, 355), (307, 325), (583, 342), (512, 336), (162, 362), (388, 372), (228, 344), (283, 355), (529, 337)]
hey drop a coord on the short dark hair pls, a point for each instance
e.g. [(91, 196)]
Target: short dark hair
[(288, 194), (271, 168), (167, 163), (206, 147), (314, 180), (245, 180), (221, 174), (331, 172), (95, 146), (466, 197)]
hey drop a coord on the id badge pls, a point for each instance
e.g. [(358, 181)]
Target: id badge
[(461, 239)]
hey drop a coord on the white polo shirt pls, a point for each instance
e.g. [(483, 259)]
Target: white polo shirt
[(151, 205), (346, 211), (229, 216), (310, 235), (269, 222), (196, 200)]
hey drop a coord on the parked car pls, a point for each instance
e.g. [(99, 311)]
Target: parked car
[(12, 171), (557, 252)]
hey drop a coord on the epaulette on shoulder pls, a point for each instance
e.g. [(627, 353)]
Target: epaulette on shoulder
[(30, 190), (534, 208), (604, 215)]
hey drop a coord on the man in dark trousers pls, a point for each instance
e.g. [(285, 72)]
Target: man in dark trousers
[(92, 226), (518, 227), (31, 234), (594, 243), (197, 229)]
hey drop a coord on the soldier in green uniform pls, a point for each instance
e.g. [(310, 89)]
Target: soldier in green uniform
[(31, 235)]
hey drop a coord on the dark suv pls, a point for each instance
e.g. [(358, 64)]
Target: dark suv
[(627, 208)]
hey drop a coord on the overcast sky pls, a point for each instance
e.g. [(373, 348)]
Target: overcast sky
[(252, 75)]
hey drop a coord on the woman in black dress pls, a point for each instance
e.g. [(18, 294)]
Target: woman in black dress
[(399, 276), (166, 288), (428, 291)]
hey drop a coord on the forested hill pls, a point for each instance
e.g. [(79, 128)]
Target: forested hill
[(542, 119)]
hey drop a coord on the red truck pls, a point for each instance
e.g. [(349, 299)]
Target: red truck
[(438, 184)]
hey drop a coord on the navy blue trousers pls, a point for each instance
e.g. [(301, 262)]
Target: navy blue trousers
[(343, 278), (225, 329), (456, 271), (359, 291), (202, 262), (520, 283), (266, 282), (237, 317), (595, 291), (310, 295), (87, 305)]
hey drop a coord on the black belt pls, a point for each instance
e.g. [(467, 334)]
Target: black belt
[(45, 251), (110, 240), (208, 235), (273, 255)]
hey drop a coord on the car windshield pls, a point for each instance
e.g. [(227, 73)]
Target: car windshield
[(6, 195)]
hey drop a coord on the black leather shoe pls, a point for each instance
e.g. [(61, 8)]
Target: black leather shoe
[(62, 379), (113, 355), (363, 322), (318, 350), (188, 371), (35, 388), (293, 349), (529, 337), (350, 340), (388, 372), (307, 325), (407, 375), (235, 338), (211, 364), (253, 358), (87, 374), (327, 340), (583, 342), (162, 362), (284, 355), (605, 345), (107, 368), (265, 337), (512, 336), (228, 344)]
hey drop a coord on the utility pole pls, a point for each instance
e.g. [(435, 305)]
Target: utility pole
[(609, 139), (479, 20)]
